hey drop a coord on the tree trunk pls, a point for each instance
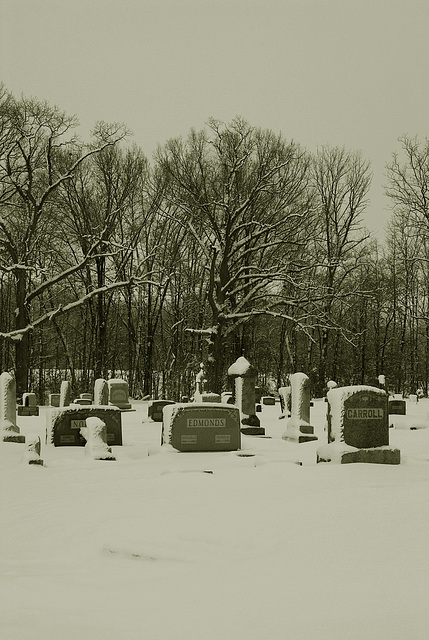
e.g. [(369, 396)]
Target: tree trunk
[(22, 346)]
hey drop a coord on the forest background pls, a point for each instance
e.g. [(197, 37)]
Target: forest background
[(231, 241)]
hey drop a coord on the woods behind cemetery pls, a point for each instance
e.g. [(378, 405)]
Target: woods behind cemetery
[(235, 240)]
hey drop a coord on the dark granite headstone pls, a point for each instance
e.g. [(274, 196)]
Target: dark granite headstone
[(366, 420), (397, 407), (202, 427), (358, 427), (64, 424), (155, 407)]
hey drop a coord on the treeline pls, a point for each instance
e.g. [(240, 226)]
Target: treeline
[(233, 241)]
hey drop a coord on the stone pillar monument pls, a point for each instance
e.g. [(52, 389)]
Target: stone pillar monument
[(8, 427), (101, 392), (298, 428), (65, 393), (244, 382)]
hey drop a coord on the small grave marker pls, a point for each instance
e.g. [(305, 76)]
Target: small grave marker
[(155, 407), (397, 407), (29, 405)]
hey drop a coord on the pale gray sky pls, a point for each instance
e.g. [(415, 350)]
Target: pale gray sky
[(352, 73)]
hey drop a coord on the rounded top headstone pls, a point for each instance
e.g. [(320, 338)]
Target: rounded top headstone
[(241, 368)]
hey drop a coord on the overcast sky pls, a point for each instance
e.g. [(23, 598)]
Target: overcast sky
[(352, 73)]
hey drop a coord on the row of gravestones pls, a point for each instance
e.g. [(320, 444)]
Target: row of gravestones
[(357, 420), (95, 426)]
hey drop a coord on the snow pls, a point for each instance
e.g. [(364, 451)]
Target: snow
[(260, 544)]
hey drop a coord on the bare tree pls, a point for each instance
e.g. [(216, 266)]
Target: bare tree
[(342, 180), (38, 154), (242, 195)]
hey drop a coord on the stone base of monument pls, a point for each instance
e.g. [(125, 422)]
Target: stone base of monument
[(63, 425), (299, 431), (342, 453), (122, 406), (11, 436), (251, 426), (27, 411)]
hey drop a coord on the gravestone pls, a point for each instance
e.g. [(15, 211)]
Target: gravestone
[(206, 396), (65, 393), (101, 392), (358, 427), (201, 427), (244, 376), (54, 399), (226, 397), (8, 428), (397, 407), (285, 395), (268, 400), (298, 427), (29, 405), (63, 425), (95, 434), (155, 407), (32, 450), (118, 394)]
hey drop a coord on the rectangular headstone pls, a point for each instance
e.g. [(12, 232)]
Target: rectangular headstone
[(202, 427), (397, 407), (358, 427), (366, 421), (155, 407), (64, 424)]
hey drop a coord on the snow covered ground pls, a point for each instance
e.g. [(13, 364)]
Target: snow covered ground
[(215, 546)]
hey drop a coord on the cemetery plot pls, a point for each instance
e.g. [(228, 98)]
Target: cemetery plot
[(202, 427), (64, 426)]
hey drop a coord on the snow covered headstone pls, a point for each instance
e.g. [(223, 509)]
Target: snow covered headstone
[(226, 397), (118, 394), (32, 450), (155, 407), (29, 405), (358, 427), (201, 427), (101, 392), (8, 427), (298, 427), (285, 395), (65, 393), (244, 376), (64, 424), (95, 434)]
